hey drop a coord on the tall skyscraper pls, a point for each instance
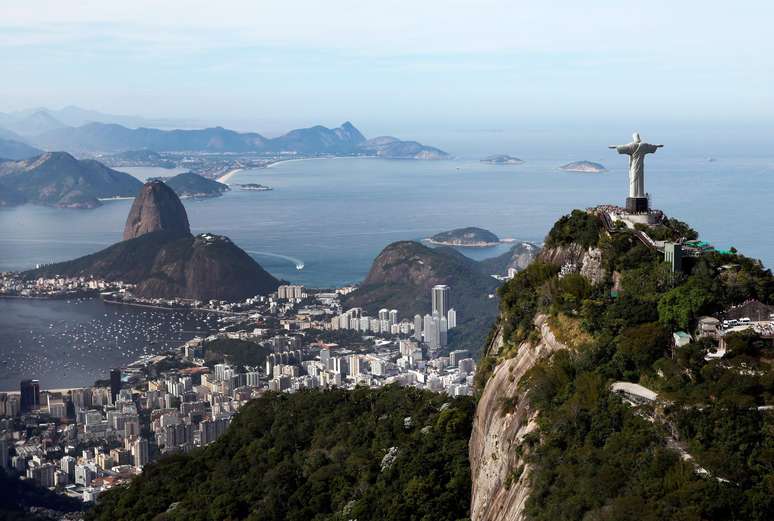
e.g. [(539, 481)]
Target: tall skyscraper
[(451, 318), (30, 395), (393, 316), (140, 452), (441, 299), (418, 327), (115, 384), (443, 329)]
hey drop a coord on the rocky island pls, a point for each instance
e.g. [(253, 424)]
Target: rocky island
[(189, 184), (470, 237), (583, 166), (502, 159)]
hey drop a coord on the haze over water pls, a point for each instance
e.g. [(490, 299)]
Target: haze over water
[(335, 215)]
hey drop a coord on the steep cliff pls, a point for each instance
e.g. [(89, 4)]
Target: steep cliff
[(161, 257), (576, 258), (504, 416), (156, 208), (553, 437)]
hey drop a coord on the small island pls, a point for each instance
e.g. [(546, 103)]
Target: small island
[(502, 159), (188, 185), (583, 166), (254, 187), (470, 237)]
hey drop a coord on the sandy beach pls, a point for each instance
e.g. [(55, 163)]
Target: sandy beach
[(225, 178)]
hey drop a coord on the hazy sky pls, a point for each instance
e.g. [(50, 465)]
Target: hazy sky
[(423, 68)]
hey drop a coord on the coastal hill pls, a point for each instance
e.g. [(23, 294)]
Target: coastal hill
[(317, 140), (189, 184), (393, 148), (163, 259), (403, 274), (583, 166), (502, 159), (582, 388), (470, 237), (58, 179)]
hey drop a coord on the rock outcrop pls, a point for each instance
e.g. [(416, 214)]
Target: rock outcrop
[(518, 258), (156, 208), (163, 260), (499, 472), (574, 257)]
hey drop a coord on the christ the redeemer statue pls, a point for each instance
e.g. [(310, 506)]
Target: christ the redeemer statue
[(636, 150)]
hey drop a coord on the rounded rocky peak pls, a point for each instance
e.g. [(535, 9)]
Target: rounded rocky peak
[(156, 208)]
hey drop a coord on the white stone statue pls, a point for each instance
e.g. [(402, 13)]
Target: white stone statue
[(636, 150)]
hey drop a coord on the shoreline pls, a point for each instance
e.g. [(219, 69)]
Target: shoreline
[(225, 178), (169, 308)]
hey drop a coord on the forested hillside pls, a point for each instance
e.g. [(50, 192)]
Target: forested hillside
[(388, 454), (704, 449)]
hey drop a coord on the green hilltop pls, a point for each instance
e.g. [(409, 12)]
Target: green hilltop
[(596, 458)]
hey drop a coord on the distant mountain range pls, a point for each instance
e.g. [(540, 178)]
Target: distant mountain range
[(80, 131), (58, 179), (317, 140), (38, 120)]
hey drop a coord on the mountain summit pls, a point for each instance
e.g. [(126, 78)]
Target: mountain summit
[(163, 260), (59, 179), (156, 208)]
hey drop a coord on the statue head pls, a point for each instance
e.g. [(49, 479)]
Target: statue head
[(636, 137)]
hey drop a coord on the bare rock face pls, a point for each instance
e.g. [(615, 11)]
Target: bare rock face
[(498, 469), (156, 208), (586, 261)]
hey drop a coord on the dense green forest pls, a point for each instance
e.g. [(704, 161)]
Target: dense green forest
[(316, 455), (596, 458)]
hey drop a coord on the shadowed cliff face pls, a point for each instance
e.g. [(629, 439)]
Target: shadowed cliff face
[(497, 450), (156, 208)]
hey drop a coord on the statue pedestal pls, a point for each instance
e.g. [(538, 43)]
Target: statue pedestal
[(636, 204)]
